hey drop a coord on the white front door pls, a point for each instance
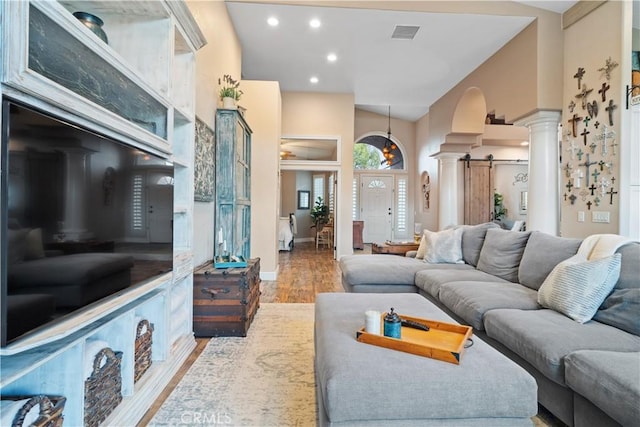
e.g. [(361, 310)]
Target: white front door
[(376, 203), (160, 213)]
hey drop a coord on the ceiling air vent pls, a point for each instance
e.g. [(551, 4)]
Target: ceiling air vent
[(404, 32)]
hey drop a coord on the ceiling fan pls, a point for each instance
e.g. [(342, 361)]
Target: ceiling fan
[(286, 155)]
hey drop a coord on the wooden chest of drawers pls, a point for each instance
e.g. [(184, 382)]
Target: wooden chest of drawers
[(225, 300)]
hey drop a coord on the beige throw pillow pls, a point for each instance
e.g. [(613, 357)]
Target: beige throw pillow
[(34, 248), (443, 247)]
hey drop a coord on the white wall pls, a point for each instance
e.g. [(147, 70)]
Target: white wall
[(263, 103), (607, 42), (221, 55), (327, 114)]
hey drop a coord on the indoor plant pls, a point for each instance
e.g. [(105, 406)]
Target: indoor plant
[(229, 91), (320, 213), (499, 210)]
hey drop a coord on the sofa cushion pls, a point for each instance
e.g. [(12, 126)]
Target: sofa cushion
[(622, 307), (443, 246), (609, 379), (431, 280), (501, 253), (542, 253), (67, 270), (380, 269), (544, 337), (576, 287), (473, 239), (471, 300)]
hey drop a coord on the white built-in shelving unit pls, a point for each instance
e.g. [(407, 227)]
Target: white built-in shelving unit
[(150, 56)]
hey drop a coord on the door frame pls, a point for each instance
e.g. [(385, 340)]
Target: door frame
[(322, 167)]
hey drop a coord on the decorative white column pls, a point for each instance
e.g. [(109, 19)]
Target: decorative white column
[(543, 212), (448, 189)]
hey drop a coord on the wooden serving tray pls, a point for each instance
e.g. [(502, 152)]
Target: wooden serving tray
[(443, 341)]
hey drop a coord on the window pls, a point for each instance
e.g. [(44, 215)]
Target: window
[(401, 208), (137, 203), (354, 199), (377, 183), (318, 187), (331, 189), (368, 155)]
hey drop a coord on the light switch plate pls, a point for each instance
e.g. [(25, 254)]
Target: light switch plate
[(600, 216), (581, 216)]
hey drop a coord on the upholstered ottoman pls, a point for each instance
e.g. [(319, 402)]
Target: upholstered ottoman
[(360, 384)]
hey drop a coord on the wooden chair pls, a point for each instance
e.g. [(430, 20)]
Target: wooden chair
[(324, 236)]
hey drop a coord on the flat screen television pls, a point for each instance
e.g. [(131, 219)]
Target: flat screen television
[(83, 217)]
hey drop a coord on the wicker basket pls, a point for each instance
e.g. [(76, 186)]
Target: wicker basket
[(143, 349), (103, 389), (51, 408)]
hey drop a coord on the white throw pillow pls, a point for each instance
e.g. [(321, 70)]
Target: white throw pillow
[(443, 246), (422, 248), (576, 287)]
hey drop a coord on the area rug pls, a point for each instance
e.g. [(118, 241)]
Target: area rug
[(265, 379)]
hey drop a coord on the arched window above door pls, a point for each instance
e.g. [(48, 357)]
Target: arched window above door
[(367, 154)]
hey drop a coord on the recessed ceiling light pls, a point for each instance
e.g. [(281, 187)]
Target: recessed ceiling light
[(273, 21), (314, 23), (332, 57), (313, 80)]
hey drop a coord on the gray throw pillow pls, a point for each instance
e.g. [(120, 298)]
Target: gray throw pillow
[(576, 287), (630, 268), (473, 239), (621, 310), (542, 253), (501, 253)]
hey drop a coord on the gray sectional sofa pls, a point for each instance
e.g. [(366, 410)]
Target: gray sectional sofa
[(588, 373)]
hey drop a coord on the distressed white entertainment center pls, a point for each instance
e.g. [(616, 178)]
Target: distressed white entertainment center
[(149, 68)]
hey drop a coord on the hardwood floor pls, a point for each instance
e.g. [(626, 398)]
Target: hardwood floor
[(304, 272)]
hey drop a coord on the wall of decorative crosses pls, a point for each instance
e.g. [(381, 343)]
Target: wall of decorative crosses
[(590, 144)]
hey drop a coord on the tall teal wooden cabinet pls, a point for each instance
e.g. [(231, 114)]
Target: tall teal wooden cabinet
[(233, 184)]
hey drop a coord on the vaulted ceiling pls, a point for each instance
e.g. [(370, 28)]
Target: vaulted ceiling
[(380, 70)]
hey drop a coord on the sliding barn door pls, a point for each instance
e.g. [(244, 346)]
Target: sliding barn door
[(478, 192)]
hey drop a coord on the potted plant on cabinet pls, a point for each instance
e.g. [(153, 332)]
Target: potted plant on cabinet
[(229, 91)]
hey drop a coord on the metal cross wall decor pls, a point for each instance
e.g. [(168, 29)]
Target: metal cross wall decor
[(587, 164), (579, 75)]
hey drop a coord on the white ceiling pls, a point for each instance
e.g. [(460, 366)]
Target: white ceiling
[(409, 75)]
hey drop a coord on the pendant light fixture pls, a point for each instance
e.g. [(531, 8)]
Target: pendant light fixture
[(389, 146)]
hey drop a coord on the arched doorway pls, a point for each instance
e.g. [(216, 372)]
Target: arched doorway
[(380, 188)]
